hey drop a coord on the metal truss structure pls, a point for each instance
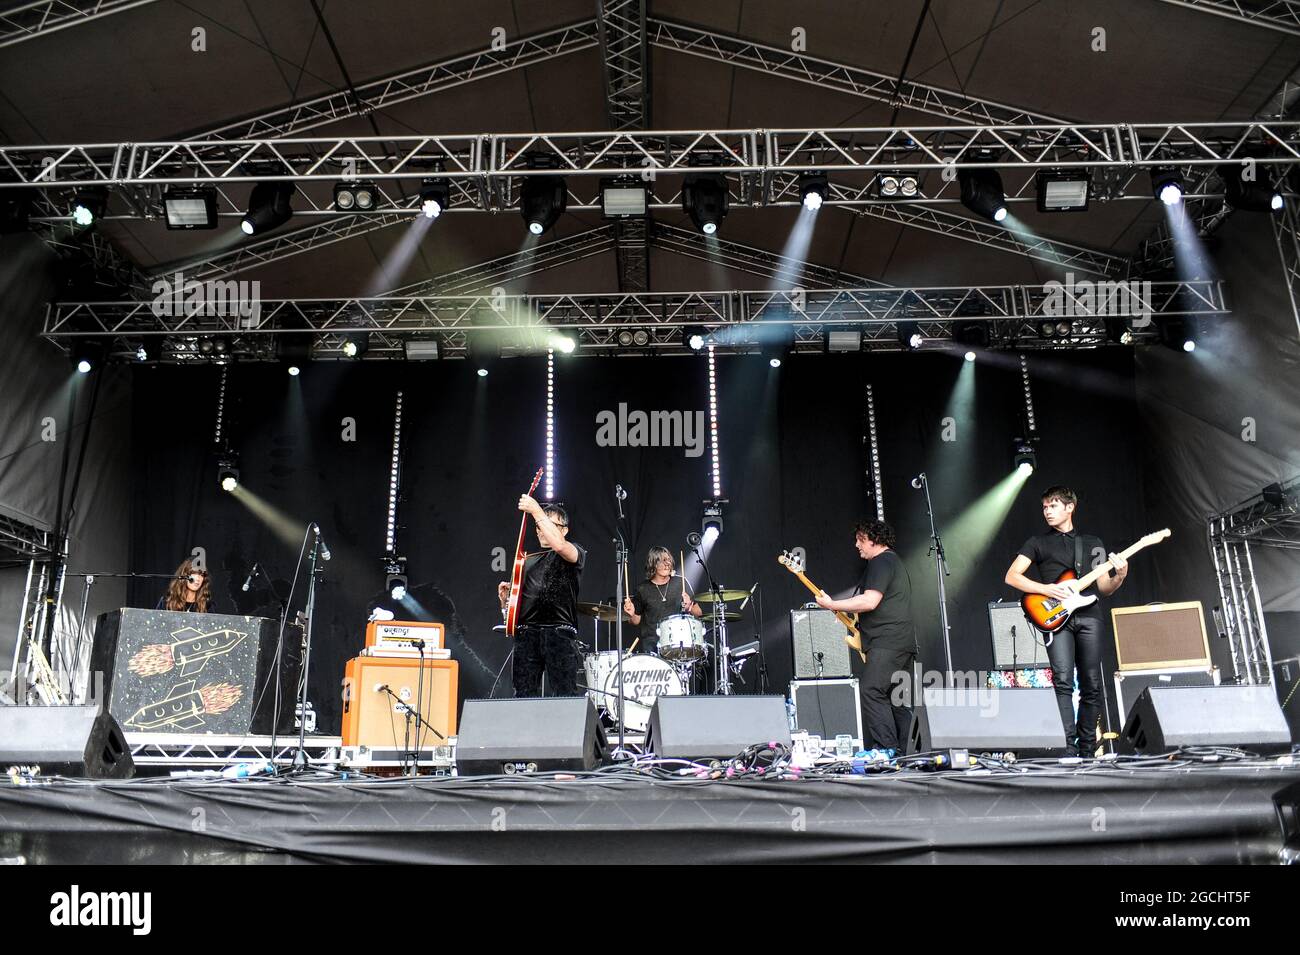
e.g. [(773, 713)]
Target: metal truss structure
[(1264, 522), (1021, 316), (1286, 233), (25, 544), (626, 62), (180, 751), (1281, 15), (29, 20)]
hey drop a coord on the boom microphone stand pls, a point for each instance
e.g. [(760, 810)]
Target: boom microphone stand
[(723, 684), (620, 571), (921, 482), (318, 548)]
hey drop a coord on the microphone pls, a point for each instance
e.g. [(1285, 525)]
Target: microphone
[(249, 579), (324, 548), (918, 480), (380, 687), (693, 540), (619, 492), (751, 594)]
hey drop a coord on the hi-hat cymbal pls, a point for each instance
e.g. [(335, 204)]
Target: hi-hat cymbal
[(725, 595), (603, 612)]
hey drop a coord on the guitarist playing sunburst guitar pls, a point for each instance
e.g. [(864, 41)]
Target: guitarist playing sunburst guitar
[(883, 603), (1077, 644), (546, 637)]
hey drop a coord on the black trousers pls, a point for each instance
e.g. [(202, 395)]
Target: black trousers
[(1078, 645), (884, 725), (553, 651)]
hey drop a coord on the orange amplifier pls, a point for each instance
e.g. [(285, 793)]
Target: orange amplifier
[(371, 715), (398, 634)]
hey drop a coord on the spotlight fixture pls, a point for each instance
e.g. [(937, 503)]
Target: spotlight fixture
[(1025, 460), (623, 198), (813, 187), (1167, 185), (897, 185), (358, 196), (89, 205), (435, 197), (541, 201), (87, 355), (909, 335), (1063, 190), (190, 208), (561, 343), (355, 344), (293, 353), (395, 577), (268, 207), (969, 356), (228, 474), (1177, 331), (693, 337), (483, 353), (1248, 195), (971, 333), (141, 354), (704, 199), (712, 519), (981, 193)]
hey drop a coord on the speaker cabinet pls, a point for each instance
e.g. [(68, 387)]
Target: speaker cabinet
[(819, 647), (1016, 644), (371, 717), (1161, 637), (828, 708), (1246, 717), (715, 727), (80, 741), (168, 672), (987, 719), (525, 735)]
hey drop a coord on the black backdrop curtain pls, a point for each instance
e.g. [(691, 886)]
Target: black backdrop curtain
[(792, 470)]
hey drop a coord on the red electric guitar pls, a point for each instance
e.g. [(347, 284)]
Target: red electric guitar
[(517, 575), (1049, 614)]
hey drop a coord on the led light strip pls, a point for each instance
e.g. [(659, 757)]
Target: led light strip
[(221, 406), (1029, 398), (873, 469), (713, 425), (550, 424), (390, 539)]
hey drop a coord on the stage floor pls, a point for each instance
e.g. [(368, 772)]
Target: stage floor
[(1181, 813)]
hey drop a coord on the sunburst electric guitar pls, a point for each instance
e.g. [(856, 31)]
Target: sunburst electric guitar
[(850, 620), (1049, 614), (517, 575)]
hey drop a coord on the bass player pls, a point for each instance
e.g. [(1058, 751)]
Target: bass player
[(1077, 644)]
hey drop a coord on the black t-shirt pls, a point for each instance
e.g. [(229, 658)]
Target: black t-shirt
[(654, 602), (890, 625), (550, 591), (1052, 554)]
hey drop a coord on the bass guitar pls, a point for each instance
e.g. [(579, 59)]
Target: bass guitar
[(517, 575), (1049, 614), (853, 638)]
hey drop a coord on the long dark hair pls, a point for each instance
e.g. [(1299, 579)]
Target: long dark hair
[(178, 593), (652, 559)]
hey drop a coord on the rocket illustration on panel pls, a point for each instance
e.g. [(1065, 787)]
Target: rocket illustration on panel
[(184, 707), (189, 649)]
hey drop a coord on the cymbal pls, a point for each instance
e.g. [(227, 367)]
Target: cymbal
[(603, 612), (709, 596), (731, 616)]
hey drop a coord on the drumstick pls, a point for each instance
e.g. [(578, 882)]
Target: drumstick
[(633, 647), (681, 563), (627, 588)]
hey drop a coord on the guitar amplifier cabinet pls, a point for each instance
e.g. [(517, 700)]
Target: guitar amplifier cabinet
[(1016, 642), (1161, 637), (828, 708), (817, 637), (372, 718)]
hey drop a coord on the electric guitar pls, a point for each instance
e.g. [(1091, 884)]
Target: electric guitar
[(1049, 614), (517, 575), (850, 620)]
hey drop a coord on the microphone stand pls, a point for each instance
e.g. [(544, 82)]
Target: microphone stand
[(300, 764), (723, 683), (620, 571), (941, 571)]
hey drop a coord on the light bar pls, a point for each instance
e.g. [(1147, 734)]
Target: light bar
[(550, 424), (1063, 191), (190, 208), (620, 200), (713, 424)]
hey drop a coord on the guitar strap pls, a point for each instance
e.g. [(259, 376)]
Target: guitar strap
[(1078, 554)]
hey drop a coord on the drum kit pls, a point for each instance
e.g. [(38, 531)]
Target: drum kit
[(680, 662)]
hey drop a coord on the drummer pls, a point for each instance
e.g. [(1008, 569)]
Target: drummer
[(662, 594)]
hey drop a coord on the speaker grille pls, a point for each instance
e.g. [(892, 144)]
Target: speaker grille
[(1160, 637), (817, 631)]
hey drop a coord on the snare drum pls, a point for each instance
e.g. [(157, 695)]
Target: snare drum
[(645, 679), (681, 637), (596, 667)]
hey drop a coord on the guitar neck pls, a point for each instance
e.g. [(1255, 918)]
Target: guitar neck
[(842, 617), (1105, 568)]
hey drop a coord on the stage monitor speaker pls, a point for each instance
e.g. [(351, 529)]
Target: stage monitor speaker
[(1244, 717), (1130, 684), (828, 708), (1161, 636), (169, 672), (715, 727), (989, 720), (1017, 644), (82, 741), (526, 735), (1286, 677), (371, 717), (819, 647)]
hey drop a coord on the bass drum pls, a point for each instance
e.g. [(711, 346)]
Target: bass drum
[(645, 679)]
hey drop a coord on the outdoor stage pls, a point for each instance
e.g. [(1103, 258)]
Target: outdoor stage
[(1147, 811)]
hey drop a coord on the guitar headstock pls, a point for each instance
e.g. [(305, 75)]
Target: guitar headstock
[(791, 562), (1156, 537), (537, 479)]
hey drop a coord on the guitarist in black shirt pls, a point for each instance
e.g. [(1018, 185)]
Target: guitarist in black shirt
[(1077, 644)]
